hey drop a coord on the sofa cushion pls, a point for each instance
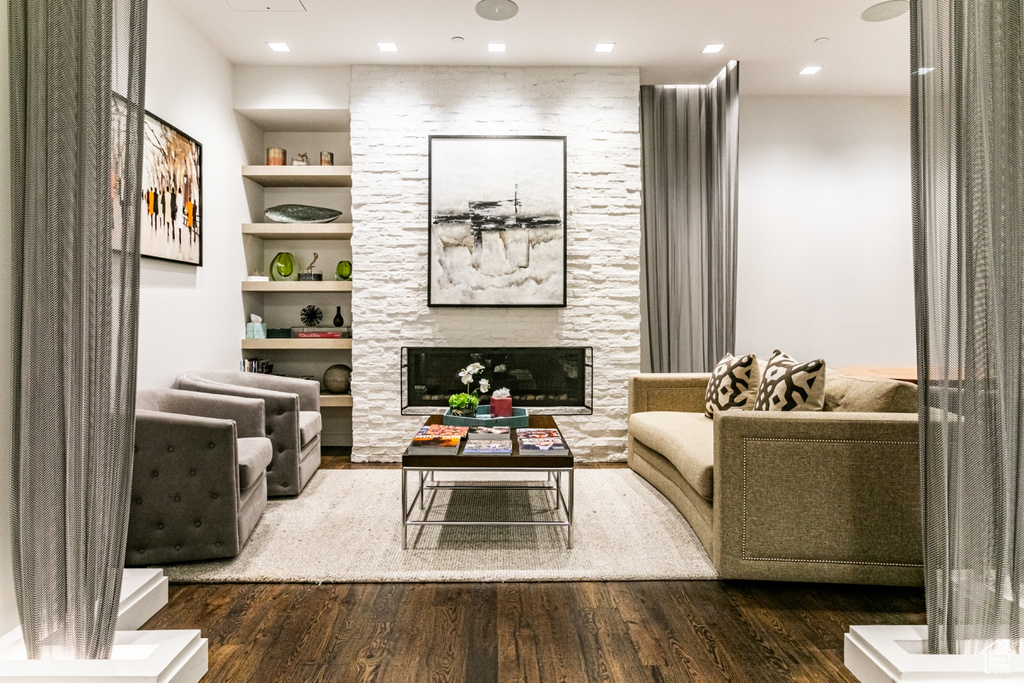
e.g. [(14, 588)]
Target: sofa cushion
[(789, 385), (310, 425), (254, 454), (687, 440), (847, 394), (733, 384)]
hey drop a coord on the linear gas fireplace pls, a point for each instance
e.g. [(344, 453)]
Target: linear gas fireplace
[(553, 380)]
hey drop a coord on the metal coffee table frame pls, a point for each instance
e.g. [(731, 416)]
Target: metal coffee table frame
[(428, 483)]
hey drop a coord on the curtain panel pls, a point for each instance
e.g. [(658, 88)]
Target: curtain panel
[(689, 143), (967, 100), (77, 73)]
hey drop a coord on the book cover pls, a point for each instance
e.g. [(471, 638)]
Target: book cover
[(487, 447), (431, 445), (552, 446), (318, 335), (442, 430), (526, 433), (499, 433)]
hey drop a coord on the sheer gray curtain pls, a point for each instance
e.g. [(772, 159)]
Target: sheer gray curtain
[(689, 145), (967, 104), (77, 71)]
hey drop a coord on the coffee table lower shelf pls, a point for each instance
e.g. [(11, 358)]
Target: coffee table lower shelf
[(563, 503)]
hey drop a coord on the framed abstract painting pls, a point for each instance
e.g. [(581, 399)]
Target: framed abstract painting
[(497, 213), (172, 194)]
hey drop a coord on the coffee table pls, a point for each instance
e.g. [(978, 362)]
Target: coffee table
[(426, 465)]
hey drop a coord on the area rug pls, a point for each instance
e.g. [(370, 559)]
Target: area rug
[(346, 527)]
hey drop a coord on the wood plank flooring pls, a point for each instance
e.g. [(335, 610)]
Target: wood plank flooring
[(531, 632)]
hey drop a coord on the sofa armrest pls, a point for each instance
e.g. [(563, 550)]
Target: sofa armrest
[(811, 496), (680, 392), (184, 503)]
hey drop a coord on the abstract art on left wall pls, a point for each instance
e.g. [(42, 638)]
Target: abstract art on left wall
[(172, 194), (497, 221)]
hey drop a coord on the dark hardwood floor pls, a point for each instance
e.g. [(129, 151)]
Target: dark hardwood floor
[(622, 631)]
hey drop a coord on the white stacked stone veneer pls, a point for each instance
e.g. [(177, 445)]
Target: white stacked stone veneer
[(394, 110)]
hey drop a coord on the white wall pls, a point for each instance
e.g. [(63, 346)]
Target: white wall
[(825, 253), (394, 110), (8, 606), (192, 317)]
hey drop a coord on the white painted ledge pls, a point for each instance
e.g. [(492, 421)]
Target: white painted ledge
[(896, 654), (138, 657)]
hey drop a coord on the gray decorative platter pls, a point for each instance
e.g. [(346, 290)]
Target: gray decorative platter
[(301, 213)]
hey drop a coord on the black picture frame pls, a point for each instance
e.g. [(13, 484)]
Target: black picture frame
[(171, 220), (496, 221)]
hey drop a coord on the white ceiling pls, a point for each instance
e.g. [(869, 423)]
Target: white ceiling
[(772, 39)]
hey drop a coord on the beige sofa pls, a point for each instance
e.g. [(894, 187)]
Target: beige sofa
[(831, 496)]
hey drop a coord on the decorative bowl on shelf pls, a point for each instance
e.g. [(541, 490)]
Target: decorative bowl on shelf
[(301, 213), (315, 276), (483, 418)]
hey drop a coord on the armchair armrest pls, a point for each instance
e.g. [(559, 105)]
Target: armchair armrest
[(307, 390), (184, 503), (817, 497), (680, 392)]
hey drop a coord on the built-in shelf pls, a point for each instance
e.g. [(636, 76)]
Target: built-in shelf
[(299, 176), (287, 343), (296, 286), (298, 231), (335, 400)]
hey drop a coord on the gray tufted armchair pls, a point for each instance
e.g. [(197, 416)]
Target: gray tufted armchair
[(199, 483), (292, 417)]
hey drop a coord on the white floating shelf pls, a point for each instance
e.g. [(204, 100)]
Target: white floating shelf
[(308, 344), (335, 400), (299, 176), (296, 286), (298, 231)]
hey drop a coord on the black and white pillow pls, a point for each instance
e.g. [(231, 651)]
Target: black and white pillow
[(733, 384), (789, 385)]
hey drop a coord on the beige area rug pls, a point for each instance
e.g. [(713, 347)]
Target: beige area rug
[(346, 527)]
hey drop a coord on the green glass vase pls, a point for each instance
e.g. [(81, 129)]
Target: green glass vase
[(282, 267), (344, 270)]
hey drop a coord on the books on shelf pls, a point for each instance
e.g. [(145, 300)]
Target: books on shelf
[(434, 445), (542, 447), (488, 447), (442, 430), (260, 365), (527, 433), (483, 433), (318, 335)]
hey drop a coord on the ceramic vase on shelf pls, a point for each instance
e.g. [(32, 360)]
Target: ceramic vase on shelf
[(344, 270), (338, 319)]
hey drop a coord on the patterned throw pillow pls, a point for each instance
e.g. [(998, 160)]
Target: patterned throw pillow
[(788, 385), (733, 384)]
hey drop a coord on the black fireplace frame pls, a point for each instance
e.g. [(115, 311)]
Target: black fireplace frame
[(409, 406)]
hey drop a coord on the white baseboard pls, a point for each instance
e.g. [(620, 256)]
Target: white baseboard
[(896, 654), (138, 657)]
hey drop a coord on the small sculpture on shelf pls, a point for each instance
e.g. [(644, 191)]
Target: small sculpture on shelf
[(301, 159), (282, 267), (339, 319), (311, 316), (310, 275), (344, 270), (337, 379), (327, 158)]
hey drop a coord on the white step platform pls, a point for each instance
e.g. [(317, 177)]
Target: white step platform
[(896, 654), (138, 657)]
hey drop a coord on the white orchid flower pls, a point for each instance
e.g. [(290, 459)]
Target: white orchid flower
[(466, 376), (475, 368), (484, 386), (501, 393)]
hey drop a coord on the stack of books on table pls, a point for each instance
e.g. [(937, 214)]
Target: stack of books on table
[(489, 433), (437, 440), (541, 441), (488, 446)]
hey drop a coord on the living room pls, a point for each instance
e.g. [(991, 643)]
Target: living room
[(824, 269)]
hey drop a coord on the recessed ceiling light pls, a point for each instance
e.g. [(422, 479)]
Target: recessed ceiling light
[(387, 47), (883, 11), (712, 48), (279, 47), (496, 47), (604, 47), (810, 70)]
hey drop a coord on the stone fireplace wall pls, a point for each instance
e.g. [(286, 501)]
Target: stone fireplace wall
[(394, 110)]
